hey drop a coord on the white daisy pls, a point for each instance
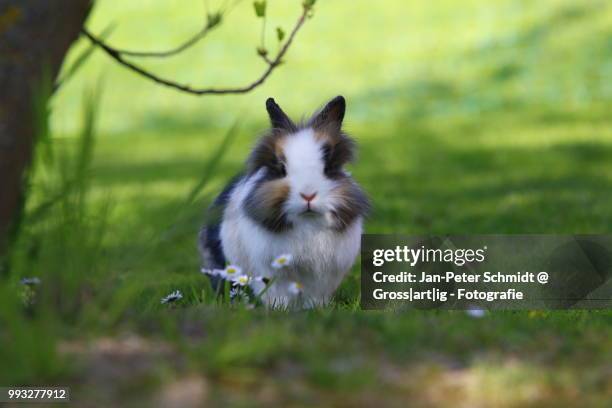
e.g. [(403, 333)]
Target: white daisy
[(234, 292), (30, 281), (172, 297), (231, 272), (242, 280), (211, 272), (282, 261), (295, 288), (475, 312)]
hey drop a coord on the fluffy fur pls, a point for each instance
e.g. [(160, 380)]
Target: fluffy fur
[(295, 198)]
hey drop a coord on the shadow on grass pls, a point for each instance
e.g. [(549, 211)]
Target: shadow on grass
[(444, 186)]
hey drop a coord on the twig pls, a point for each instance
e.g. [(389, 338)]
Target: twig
[(168, 53), (212, 20), (266, 59), (272, 64)]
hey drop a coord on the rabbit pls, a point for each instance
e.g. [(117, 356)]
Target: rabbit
[(293, 198)]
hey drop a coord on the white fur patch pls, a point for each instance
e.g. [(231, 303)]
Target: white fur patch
[(305, 174)]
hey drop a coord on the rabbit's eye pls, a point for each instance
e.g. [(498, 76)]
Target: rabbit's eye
[(279, 169)]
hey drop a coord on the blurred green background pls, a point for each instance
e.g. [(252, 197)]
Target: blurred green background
[(472, 117)]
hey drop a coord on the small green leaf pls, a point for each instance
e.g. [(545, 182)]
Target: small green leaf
[(260, 8), (309, 3), (213, 19), (262, 51), (280, 33)]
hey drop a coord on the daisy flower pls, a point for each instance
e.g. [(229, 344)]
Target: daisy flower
[(231, 272), (295, 288), (282, 261), (211, 272), (234, 292), (475, 312), (242, 280), (30, 281), (172, 297)]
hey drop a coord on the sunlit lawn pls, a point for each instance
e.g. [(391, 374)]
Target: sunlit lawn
[(472, 117)]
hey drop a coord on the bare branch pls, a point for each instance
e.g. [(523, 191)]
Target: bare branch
[(118, 56), (212, 21), (168, 53)]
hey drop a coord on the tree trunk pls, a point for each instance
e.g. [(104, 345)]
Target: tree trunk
[(34, 38)]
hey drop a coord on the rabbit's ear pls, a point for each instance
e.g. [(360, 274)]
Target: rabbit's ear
[(331, 115), (278, 118)]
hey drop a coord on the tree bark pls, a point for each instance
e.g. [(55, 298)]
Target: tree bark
[(34, 38)]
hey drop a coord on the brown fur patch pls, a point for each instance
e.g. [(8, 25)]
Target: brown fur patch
[(265, 204), (323, 137), (349, 202), (272, 194)]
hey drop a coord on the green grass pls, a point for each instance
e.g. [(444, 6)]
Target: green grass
[(472, 117)]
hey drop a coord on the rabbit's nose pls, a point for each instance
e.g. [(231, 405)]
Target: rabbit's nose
[(308, 197)]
